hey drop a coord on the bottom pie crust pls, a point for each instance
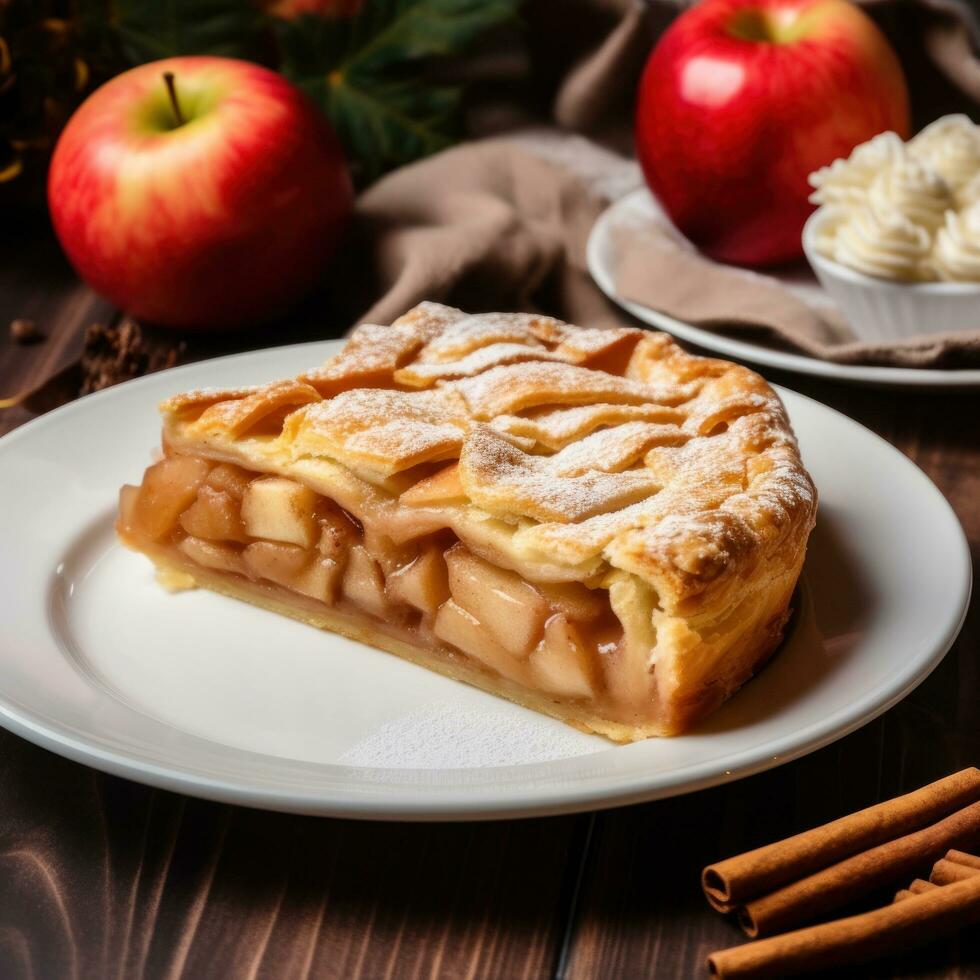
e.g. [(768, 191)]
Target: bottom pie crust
[(177, 573)]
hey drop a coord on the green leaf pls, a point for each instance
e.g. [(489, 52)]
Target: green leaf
[(370, 73), (392, 32), (147, 30), (389, 123)]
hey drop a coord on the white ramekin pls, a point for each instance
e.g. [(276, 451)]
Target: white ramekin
[(880, 310)]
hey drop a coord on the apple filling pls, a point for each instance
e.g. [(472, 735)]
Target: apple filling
[(278, 536)]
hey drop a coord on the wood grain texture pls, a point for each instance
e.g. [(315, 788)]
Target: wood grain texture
[(103, 878), (100, 877)]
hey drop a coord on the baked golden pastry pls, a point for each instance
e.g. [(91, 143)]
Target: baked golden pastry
[(592, 523)]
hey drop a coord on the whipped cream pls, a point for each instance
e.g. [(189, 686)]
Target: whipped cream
[(969, 193), (886, 245), (936, 133), (905, 211), (956, 156), (913, 190), (825, 238), (847, 181), (956, 253)]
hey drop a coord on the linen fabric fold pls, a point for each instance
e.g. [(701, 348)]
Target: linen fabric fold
[(501, 224)]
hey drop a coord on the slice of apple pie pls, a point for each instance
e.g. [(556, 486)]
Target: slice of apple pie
[(592, 523)]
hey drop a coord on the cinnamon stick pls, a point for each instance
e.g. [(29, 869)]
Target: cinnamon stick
[(946, 872), (723, 907), (900, 926), (916, 888), (961, 857), (859, 874), (963, 865), (733, 881)]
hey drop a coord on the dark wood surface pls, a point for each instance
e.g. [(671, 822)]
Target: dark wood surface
[(100, 877)]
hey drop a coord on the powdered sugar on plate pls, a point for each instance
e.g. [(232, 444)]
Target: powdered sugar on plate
[(449, 735)]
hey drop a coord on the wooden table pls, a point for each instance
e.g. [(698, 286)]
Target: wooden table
[(100, 877)]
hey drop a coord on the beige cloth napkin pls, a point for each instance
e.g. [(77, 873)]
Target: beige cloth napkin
[(491, 225), (652, 268), (482, 226)]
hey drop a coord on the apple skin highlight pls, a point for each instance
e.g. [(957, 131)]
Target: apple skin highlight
[(222, 221), (741, 99)]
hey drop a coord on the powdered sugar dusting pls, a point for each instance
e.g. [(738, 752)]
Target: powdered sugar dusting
[(464, 335), (554, 428), (237, 415), (381, 429), (206, 396), (451, 735), (371, 352), (500, 478), (503, 390), (474, 362), (589, 341), (612, 450)]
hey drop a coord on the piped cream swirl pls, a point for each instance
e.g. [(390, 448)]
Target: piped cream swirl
[(912, 190), (953, 152), (969, 193), (847, 181), (956, 253), (888, 245), (930, 137), (905, 211)]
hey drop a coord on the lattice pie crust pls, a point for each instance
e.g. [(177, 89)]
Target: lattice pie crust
[(592, 523)]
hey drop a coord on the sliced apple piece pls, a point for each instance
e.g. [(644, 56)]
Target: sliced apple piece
[(277, 562), (320, 581), (423, 584), (210, 554), (337, 534), (404, 480), (364, 583), (215, 515), (389, 555), (128, 495), (459, 628), (511, 609), (280, 510), (169, 488), (231, 479), (441, 488), (631, 677), (403, 524), (563, 664), (575, 601)]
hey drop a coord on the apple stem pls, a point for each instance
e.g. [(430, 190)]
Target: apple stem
[(171, 83)]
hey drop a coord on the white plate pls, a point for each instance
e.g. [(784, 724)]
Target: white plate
[(201, 694), (637, 208)]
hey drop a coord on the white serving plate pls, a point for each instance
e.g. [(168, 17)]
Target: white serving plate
[(205, 695), (637, 207)]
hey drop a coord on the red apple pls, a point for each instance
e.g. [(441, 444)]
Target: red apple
[(216, 205), (741, 99)]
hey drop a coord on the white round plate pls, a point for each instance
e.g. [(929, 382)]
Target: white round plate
[(638, 207), (201, 694)]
